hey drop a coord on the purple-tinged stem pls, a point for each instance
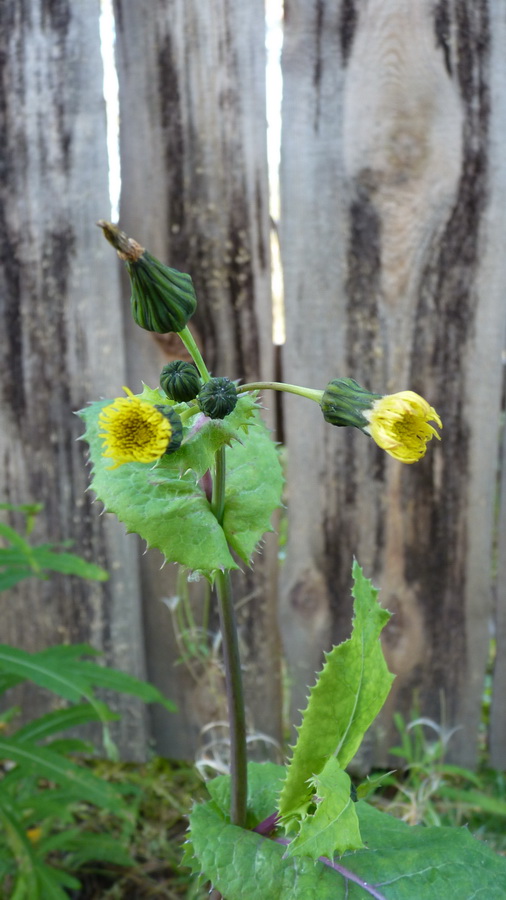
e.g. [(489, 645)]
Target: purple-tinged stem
[(350, 876)]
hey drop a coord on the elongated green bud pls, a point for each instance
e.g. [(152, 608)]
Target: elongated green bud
[(163, 299), (176, 435), (217, 398), (180, 380), (344, 402)]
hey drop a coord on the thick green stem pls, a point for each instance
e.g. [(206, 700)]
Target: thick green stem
[(235, 699), (233, 674), (189, 342), (218, 498), (309, 393)]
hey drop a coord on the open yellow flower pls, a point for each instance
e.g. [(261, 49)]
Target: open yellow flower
[(400, 424), (133, 430)]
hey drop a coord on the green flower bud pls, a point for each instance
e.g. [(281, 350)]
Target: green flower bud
[(176, 435), (217, 398), (180, 380), (344, 401), (163, 299)]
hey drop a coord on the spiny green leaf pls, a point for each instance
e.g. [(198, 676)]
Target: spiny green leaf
[(399, 862), (253, 489), (169, 510), (345, 700), (203, 436), (333, 827), (167, 506)]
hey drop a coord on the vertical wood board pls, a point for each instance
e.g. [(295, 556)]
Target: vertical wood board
[(398, 161), (61, 333), (195, 193)]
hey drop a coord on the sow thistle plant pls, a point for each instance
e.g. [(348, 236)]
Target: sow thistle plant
[(269, 831)]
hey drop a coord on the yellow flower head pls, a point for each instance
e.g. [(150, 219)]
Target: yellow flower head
[(133, 430), (34, 835), (399, 423)]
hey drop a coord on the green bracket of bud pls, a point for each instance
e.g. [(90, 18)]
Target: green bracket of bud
[(344, 402), (176, 425)]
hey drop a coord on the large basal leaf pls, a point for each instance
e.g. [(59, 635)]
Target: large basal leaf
[(399, 862), (166, 505), (345, 700)]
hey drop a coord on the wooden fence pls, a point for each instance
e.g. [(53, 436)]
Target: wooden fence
[(393, 220)]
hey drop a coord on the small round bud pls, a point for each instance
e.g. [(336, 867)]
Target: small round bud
[(176, 435), (217, 398), (180, 380)]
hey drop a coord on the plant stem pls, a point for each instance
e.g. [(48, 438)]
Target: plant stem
[(346, 873), (189, 342), (218, 498), (232, 663), (309, 393), (235, 699)]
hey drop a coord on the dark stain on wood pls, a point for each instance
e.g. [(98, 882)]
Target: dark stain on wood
[(437, 547), (171, 123), (13, 159), (442, 32), (57, 15), (363, 292), (260, 217), (318, 63), (363, 282), (318, 59), (241, 293), (347, 26), (12, 381), (119, 18)]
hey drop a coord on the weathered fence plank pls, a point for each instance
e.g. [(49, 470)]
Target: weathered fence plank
[(195, 192), (61, 331), (393, 276)]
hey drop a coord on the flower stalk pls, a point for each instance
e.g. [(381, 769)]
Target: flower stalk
[(191, 345), (232, 664), (309, 393)]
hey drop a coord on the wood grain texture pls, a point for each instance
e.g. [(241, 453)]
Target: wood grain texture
[(61, 331), (195, 192), (493, 289), (387, 242)]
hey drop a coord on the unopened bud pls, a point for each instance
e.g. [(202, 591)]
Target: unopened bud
[(217, 398)]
